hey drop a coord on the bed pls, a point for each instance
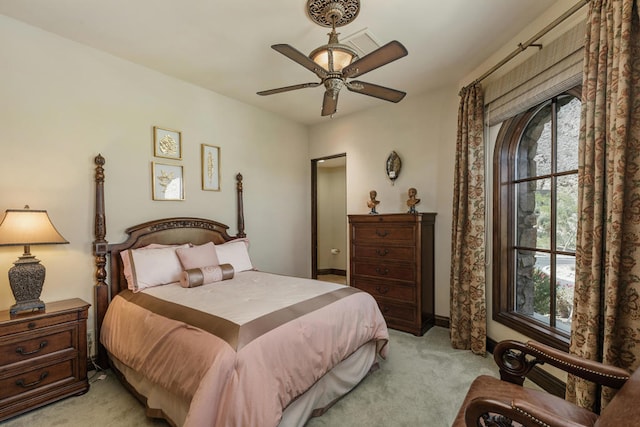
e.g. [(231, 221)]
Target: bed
[(227, 345)]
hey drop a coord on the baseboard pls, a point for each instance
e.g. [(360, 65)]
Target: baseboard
[(441, 321), (335, 271), (549, 383)]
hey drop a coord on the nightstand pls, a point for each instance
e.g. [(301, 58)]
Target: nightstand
[(43, 356)]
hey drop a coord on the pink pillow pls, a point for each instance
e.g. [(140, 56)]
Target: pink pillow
[(198, 256), (151, 266), (236, 253)]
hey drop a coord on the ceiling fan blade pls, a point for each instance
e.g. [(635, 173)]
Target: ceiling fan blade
[(376, 91), (288, 88), (329, 103), (302, 59), (379, 57)]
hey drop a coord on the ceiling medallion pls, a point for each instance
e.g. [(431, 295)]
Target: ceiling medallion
[(324, 12)]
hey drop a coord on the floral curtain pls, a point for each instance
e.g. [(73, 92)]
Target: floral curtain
[(468, 306), (606, 317)]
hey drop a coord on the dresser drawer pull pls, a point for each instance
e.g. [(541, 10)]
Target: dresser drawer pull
[(21, 351), (382, 271), (385, 309), (31, 325), (21, 383), (382, 233), (382, 252), (382, 289)]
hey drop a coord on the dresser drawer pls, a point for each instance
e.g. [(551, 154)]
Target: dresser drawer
[(23, 347), (386, 290), (392, 233), (382, 252), (405, 313), (31, 381), (397, 271)]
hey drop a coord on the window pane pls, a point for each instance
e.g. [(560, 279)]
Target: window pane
[(568, 133), (565, 280), (533, 216), (532, 296), (534, 149), (566, 212)]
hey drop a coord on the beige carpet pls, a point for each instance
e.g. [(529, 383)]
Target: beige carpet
[(422, 383)]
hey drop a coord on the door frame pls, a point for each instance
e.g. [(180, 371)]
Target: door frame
[(314, 210)]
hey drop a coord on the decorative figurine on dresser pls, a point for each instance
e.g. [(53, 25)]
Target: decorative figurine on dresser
[(412, 201), (372, 203), (43, 356), (392, 258)]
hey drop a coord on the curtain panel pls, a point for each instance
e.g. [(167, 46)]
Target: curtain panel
[(606, 315), (468, 305)]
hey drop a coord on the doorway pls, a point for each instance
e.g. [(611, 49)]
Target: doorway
[(329, 218)]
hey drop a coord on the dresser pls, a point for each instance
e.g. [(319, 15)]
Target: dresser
[(392, 258), (43, 356)]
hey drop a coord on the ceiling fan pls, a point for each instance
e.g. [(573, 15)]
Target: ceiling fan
[(334, 62)]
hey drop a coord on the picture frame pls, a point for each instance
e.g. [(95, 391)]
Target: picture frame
[(167, 181), (167, 143), (210, 158)]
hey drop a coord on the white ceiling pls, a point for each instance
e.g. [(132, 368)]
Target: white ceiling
[(224, 46)]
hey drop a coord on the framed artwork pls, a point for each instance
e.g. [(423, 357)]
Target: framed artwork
[(168, 182), (210, 167), (167, 143)]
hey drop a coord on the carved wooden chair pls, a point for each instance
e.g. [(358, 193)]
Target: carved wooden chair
[(493, 402)]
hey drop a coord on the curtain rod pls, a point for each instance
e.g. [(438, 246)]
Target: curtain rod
[(523, 46)]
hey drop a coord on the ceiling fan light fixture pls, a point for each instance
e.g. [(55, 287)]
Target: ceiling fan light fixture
[(333, 57)]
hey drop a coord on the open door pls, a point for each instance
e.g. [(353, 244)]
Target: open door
[(329, 218)]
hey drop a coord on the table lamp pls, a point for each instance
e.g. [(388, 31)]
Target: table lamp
[(27, 227)]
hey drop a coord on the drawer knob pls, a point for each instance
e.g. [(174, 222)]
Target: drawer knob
[(31, 325), (21, 383), (382, 271), (385, 309), (382, 252), (381, 233), (42, 345), (382, 289)]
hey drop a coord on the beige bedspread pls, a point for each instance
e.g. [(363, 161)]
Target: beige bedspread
[(261, 340)]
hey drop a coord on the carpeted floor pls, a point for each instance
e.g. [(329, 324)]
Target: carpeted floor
[(422, 383)]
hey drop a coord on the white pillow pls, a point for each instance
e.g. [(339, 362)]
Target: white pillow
[(151, 266), (236, 253)]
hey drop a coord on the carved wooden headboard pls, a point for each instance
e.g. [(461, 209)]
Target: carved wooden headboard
[(164, 231)]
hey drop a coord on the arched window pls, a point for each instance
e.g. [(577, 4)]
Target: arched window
[(536, 218)]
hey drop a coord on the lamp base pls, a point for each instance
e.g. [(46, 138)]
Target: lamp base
[(26, 278), (33, 305)]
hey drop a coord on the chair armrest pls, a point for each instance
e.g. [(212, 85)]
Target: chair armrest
[(518, 411), (515, 359)]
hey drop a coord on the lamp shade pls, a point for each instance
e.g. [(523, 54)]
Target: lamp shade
[(28, 227)]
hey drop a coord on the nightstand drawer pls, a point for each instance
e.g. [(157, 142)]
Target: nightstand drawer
[(406, 272), (26, 324), (35, 379), (386, 290), (22, 347)]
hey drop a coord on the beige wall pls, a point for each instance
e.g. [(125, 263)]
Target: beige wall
[(422, 130), (62, 103)]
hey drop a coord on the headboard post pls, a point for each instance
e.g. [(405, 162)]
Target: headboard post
[(241, 232), (100, 250)]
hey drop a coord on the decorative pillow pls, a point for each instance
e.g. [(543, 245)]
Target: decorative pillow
[(198, 256), (236, 253), (205, 275), (151, 266)]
